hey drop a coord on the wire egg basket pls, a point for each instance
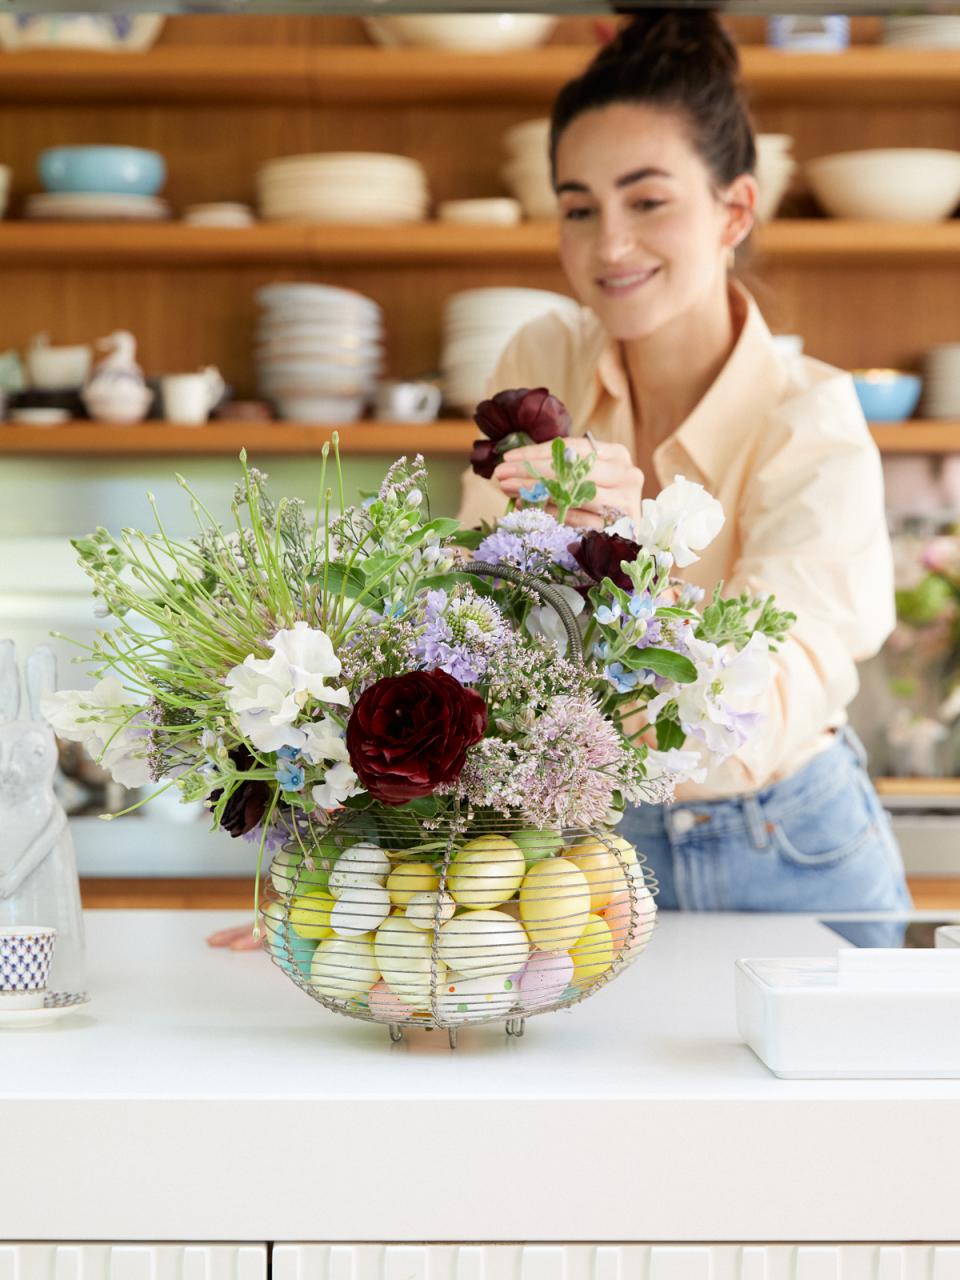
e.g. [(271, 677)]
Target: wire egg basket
[(478, 922), (471, 918)]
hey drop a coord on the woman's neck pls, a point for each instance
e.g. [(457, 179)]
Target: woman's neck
[(671, 370)]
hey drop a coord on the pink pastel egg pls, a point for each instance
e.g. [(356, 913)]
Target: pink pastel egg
[(386, 1006), (546, 976), (617, 914)]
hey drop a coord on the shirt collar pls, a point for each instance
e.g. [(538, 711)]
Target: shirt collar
[(749, 382)]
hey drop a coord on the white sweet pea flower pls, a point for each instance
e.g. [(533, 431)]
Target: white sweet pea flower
[(339, 784), (309, 653), (543, 620), (676, 765), (681, 520), (324, 741), (107, 725), (708, 706), (262, 699)]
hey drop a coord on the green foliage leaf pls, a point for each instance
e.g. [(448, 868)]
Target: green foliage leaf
[(664, 662), (669, 735)]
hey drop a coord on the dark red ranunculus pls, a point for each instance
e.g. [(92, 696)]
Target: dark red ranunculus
[(513, 418), (248, 803), (409, 734), (600, 555)]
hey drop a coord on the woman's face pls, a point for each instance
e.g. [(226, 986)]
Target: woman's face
[(643, 232)]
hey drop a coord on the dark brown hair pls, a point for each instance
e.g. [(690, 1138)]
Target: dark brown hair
[(676, 60)]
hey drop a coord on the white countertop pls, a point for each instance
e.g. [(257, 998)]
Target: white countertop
[(202, 1096)]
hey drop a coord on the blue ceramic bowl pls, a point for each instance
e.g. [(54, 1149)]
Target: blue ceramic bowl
[(122, 171), (886, 395)]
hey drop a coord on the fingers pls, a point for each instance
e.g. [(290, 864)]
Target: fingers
[(580, 518), (605, 475), (238, 939), (605, 450)]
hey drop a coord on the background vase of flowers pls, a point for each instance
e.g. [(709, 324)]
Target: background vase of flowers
[(430, 753)]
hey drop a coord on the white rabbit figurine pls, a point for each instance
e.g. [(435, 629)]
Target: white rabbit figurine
[(38, 869)]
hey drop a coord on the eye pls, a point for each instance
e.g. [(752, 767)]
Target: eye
[(646, 205), (577, 214)]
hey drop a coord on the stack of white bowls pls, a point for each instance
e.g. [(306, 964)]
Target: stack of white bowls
[(318, 351), (470, 32), (775, 167), (477, 325), (527, 168), (343, 186), (941, 382)]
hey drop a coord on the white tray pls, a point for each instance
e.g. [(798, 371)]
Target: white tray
[(872, 1014)]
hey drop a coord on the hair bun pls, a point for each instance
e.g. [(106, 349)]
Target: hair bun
[(665, 35)]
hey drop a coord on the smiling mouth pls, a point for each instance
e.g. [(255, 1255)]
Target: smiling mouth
[(626, 282)]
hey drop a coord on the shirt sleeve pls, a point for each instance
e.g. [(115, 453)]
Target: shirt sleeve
[(814, 534)]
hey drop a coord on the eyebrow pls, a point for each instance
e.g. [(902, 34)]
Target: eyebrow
[(625, 180)]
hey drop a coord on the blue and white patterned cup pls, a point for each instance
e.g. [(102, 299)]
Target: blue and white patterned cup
[(25, 954)]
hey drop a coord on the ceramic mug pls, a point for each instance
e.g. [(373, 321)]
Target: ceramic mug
[(408, 401), (189, 397), (25, 954)]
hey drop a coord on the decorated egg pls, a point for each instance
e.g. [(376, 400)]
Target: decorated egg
[(618, 914), (291, 951), (554, 904), (592, 953), (485, 872), (545, 977), (309, 914), (405, 957), (535, 844), (289, 875), (361, 866), (463, 999), (360, 910), (484, 942), (385, 1005), (422, 909), (344, 967), (600, 865), (410, 878)]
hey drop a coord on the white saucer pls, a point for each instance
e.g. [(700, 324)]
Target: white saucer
[(56, 1005), (90, 206)]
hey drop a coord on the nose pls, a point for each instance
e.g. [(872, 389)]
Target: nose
[(616, 239)]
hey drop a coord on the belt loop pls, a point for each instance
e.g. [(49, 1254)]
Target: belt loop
[(755, 822), (850, 736)]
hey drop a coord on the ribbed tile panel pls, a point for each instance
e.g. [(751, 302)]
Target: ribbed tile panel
[(133, 1261), (612, 1262)]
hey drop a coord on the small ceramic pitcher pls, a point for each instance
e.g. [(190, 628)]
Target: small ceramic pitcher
[(189, 397)]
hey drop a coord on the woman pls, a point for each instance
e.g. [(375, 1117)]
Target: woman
[(671, 368)]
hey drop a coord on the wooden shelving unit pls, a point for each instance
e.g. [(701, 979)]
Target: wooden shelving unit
[(782, 242), (447, 437), (367, 75)]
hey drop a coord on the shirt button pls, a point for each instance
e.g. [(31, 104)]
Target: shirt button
[(683, 821)]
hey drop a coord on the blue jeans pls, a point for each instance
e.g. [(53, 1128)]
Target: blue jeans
[(819, 840)]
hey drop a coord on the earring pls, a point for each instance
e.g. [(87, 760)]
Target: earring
[(731, 258)]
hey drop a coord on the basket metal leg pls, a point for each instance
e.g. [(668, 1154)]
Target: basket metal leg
[(396, 1032), (452, 1036), (515, 1027)]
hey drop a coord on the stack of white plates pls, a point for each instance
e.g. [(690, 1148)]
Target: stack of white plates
[(527, 169), (318, 352), (775, 167), (941, 382), (74, 206), (927, 31), (477, 325), (343, 186)]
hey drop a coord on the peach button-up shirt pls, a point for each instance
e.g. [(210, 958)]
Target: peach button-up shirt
[(782, 443)]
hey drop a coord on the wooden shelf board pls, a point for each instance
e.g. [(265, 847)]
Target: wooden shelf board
[(78, 439), (449, 437), (361, 75), (786, 241), (918, 787)]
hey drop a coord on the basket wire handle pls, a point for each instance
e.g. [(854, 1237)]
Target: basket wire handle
[(545, 590)]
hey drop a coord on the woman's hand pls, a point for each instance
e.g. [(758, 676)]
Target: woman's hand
[(239, 939), (619, 483)]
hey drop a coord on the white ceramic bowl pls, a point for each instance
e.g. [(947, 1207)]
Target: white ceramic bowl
[(900, 184), (531, 184), (773, 176), (5, 175), (469, 32), (529, 138), (499, 211), (58, 368), (318, 408)]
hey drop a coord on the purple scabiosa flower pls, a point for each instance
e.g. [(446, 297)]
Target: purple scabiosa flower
[(462, 632), (528, 539)]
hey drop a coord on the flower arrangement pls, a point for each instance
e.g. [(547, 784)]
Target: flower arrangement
[(409, 719)]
